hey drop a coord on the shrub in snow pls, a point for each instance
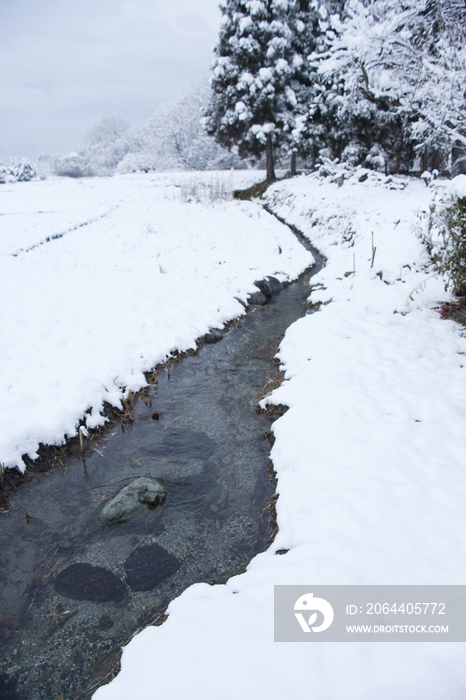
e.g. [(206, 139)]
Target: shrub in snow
[(376, 158), (137, 163), (72, 165), (427, 177), (446, 234), (353, 154)]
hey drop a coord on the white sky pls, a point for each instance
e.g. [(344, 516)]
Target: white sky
[(65, 64)]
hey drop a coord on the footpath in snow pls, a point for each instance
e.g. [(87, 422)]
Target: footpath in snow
[(370, 460), (103, 278)]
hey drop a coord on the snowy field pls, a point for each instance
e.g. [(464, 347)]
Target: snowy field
[(103, 278), (371, 473)]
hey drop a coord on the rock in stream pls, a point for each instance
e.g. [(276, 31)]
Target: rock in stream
[(87, 582), (132, 500), (148, 566)]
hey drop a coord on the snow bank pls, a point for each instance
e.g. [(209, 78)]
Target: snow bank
[(370, 462), (103, 278)]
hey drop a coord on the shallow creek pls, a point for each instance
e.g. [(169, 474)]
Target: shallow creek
[(196, 431)]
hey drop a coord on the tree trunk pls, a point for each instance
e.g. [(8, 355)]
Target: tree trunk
[(269, 159), (436, 160), (293, 164), (423, 161)]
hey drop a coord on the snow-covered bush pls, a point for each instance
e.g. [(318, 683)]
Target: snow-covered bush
[(72, 165), (377, 158), (353, 154), (137, 163), (446, 234)]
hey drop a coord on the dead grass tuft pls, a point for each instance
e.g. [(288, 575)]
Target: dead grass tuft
[(256, 190)]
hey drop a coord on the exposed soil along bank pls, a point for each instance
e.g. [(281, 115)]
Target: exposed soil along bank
[(73, 588)]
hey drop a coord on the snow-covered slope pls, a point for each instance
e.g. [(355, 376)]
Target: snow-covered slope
[(370, 463), (102, 278)]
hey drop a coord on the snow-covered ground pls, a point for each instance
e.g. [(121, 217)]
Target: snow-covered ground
[(102, 278), (370, 457), (371, 472)]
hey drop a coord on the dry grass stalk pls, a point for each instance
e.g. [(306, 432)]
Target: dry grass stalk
[(271, 383), (128, 404)]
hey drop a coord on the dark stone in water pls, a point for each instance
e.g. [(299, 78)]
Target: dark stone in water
[(87, 582), (148, 566), (275, 285), (214, 336), (132, 499), (258, 299), (264, 286)]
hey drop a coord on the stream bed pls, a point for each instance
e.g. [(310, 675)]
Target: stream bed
[(73, 589)]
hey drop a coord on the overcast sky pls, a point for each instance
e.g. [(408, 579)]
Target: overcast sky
[(66, 64)]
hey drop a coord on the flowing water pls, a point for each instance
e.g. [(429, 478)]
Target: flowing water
[(198, 433)]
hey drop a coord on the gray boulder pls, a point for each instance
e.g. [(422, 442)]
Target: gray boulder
[(87, 582), (213, 336), (264, 286), (257, 298), (133, 499), (275, 285)]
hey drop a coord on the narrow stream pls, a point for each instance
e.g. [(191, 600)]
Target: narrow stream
[(196, 432)]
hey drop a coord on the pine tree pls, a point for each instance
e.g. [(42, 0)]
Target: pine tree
[(257, 75), (320, 132)]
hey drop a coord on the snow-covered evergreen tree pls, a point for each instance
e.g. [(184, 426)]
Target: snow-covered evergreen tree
[(21, 170), (318, 131), (258, 71)]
